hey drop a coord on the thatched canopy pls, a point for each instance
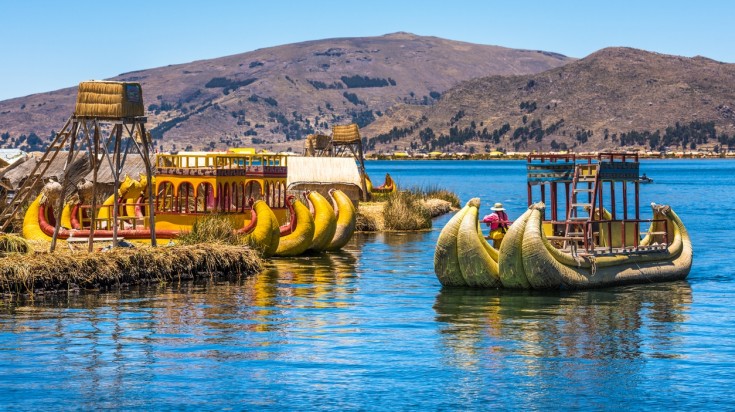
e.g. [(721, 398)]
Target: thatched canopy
[(15, 177), (349, 133)]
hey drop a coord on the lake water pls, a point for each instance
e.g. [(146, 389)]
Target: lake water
[(370, 328)]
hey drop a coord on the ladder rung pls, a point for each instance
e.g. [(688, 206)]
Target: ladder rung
[(653, 233), (579, 218), (584, 190), (575, 233), (581, 204)]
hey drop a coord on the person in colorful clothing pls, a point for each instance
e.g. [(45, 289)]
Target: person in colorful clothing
[(498, 222)]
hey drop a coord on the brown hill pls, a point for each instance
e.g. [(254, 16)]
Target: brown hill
[(612, 98), (270, 97)]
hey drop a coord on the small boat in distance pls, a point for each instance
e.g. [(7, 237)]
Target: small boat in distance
[(644, 179)]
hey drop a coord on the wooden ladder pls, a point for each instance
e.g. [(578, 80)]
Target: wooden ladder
[(586, 180), (34, 178)]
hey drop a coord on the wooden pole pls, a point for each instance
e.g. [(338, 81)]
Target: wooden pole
[(116, 177), (60, 202), (95, 169)]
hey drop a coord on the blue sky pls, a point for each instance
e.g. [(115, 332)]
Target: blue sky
[(48, 45)]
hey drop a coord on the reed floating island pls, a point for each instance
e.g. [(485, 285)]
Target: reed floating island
[(596, 243), (32, 273)]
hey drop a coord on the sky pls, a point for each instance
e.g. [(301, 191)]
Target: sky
[(49, 45)]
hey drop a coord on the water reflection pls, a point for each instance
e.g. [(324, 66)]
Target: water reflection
[(106, 346), (621, 323), (322, 281)]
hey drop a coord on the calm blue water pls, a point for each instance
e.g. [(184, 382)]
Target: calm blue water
[(370, 328)]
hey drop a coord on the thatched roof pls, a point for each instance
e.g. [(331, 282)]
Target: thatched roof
[(133, 167)]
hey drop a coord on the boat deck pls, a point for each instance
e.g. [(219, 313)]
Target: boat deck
[(610, 251)]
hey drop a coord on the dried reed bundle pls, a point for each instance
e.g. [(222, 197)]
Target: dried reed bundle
[(13, 244), (109, 100), (345, 133), (370, 217), (406, 211), (75, 173), (437, 207), (211, 229)]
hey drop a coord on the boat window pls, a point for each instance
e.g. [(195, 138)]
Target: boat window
[(165, 197), (226, 203), (238, 200), (271, 194), (253, 191), (205, 197)]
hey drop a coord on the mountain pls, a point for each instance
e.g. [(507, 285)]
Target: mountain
[(614, 98), (273, 97)]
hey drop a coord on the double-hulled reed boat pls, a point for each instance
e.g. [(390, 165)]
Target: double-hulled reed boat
[(589, 236)]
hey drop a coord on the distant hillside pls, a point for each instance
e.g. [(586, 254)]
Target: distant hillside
[(614, 98), (272, 98)]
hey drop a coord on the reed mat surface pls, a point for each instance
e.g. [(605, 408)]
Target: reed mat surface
[(65, 270)]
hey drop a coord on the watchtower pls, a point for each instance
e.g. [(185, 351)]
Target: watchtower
[(347, 138), (107, 124)]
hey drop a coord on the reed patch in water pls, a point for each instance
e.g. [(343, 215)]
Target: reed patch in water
[(406, 211)]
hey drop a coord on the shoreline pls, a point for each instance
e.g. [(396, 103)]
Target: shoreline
[(508, 158)]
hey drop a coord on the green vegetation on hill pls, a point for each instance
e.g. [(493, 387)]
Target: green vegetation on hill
[(358, 81), (352, 98), (322, 86), (228, 85)]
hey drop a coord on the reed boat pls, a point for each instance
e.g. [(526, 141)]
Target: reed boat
[(388, 186), (247, 189), (587, 237)]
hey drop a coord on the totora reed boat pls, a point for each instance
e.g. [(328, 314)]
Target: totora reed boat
[(249, 190), (596, 242)]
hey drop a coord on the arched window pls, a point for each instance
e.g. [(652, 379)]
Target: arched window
[(271, 194), (282, 195), (205, 197), (238, 198), (225, 195), (165, 197), (253, 190), (186, 198)]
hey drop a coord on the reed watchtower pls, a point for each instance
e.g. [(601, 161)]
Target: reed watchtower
[(108, 123)]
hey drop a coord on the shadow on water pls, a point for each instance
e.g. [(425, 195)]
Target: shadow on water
[(620, 323)]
